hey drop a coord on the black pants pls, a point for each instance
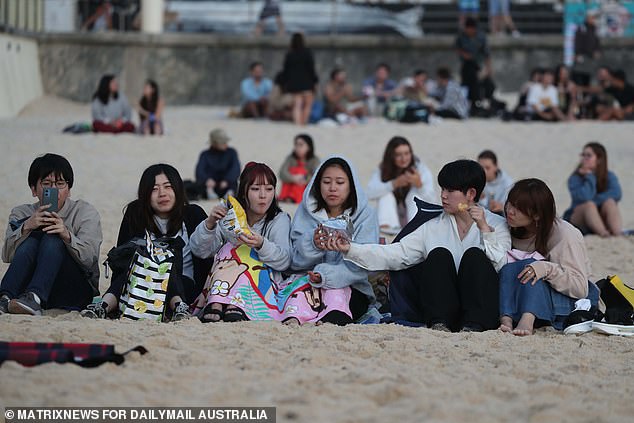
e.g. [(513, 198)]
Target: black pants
[(468, 297), (469, 78), (448, 114), (358, 307)]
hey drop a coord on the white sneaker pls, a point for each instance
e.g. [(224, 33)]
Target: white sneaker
[(610, 329)]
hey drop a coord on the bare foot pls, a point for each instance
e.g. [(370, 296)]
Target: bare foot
[(506, 324), (525, 325), (212, 313)]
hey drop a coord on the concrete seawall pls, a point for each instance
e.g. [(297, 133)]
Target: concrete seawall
[(20, 80), (207, 69)]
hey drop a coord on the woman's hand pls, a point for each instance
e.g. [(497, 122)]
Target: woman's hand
[(479, 217), (413, 178), (319, 237), (217, 213), (528, 275), (338, 243), (400, 181), (314, 277), (254, 240)]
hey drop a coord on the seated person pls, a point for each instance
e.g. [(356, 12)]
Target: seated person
[(101, 20), (498, 184), (218, 167), (623, 93), (111, 111), (454, 257), (54, 254), (453, 102), (543, 99), (255, 92), (280, 101), (380, 87), (542, 291), (567, 92), (151, 108), (416, 88), (401, 176), (522, 111), (298, 169), (162, 211), (340, 99), (595, 192)]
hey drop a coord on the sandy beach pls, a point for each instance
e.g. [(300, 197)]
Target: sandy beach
[(374, 373)]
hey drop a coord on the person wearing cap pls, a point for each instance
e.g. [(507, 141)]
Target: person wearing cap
[(218, 167)]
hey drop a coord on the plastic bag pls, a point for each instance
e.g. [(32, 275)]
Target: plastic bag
[(338, 226), (234, 223)]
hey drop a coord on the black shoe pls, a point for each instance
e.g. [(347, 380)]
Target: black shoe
[(580, 321)]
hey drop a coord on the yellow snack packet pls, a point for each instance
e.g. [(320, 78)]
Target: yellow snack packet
[(235, 223), (463, 206)]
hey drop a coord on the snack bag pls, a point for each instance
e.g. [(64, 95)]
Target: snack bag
[(338, 226), (234, 223)]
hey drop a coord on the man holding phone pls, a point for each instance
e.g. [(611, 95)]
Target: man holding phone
[(52, 245)]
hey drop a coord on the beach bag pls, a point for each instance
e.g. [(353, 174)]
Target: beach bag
[(395, 109), (618, 299), (415, 112), (30, 354), (154, 268)]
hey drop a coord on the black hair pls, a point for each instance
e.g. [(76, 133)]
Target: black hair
[(103, 89), (488, 154), (255, 64), (334, 73), (420, 72), (142, 214), (470, 22), (619, 74), (152, 103), (461, 175), (257, 173), (297, 42), (47, 164), (384, 65), (311, 145), (351, 202), (443, 73)]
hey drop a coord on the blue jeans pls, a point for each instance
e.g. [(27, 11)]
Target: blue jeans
[(540, 299), (42, 265)]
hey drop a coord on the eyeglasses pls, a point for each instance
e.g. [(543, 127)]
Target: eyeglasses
[(59, 184)]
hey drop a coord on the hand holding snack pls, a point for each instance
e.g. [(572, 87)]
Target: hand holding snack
[(477, 214), (217, 213), (462, 207), (254, 240), (234, 223)]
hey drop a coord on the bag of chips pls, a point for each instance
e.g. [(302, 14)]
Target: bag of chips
[(234, 223), (338, 226)]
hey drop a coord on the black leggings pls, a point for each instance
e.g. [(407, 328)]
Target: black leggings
[(358, 307)]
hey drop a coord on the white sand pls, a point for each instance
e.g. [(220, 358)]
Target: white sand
[(327, 373)]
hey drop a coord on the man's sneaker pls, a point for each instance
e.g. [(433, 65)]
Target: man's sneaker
[(96, 310), (25, 304), (4, 304), (181, 312)]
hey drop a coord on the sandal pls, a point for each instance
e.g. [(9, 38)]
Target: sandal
[(210, 311), (235, 314)]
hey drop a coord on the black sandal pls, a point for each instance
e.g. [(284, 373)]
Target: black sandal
[(235, 314), (210, 311)]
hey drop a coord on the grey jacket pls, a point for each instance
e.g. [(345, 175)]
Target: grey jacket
[(115, 109), (83, 223)]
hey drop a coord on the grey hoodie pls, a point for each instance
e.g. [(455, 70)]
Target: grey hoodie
[(334, 271), (498, 189)]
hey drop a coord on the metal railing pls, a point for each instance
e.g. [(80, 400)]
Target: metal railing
[(23, 15)]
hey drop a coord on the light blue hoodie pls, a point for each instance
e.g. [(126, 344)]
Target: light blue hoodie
[(334, 271)]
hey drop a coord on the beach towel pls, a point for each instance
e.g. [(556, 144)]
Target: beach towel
[(86, 355), (239, 278), (152, 270), (402, 287)]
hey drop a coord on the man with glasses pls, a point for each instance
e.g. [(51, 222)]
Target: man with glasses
[(54, 255)]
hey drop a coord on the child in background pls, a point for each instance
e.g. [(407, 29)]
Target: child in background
[(298, 168)]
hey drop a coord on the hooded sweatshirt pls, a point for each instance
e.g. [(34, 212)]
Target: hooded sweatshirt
[(335, 272)]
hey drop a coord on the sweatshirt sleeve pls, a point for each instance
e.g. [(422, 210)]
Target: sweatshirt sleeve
[(98, 111), (285, 175), (85, 239), (582, 187), (376, 187), (304, 253), (338, 273), (568, 270), (397, 256), (613, 190), (497, 243), (276, 248), (205, 242), (14, 236), (428, 191)]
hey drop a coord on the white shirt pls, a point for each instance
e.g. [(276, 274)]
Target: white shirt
[(442, 231), (542, 97), (427, 192)]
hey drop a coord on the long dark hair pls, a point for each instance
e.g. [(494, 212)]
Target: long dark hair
[(601, 172), (141, 211), (297, 42), (533, 198), (103, 89), (257, 173), (151, 103), (388, 168), (311, 147), (351, 201)]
